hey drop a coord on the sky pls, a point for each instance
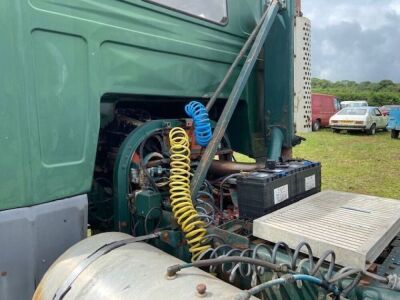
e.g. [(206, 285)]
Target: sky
[(355, 39)]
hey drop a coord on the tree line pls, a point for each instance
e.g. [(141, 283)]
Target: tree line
[(379, 93)]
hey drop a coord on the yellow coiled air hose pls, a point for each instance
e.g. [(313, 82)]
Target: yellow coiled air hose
[(179, 182)]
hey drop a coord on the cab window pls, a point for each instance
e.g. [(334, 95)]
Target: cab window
[(377, 112), (210, 10)]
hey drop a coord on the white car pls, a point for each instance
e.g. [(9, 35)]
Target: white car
[(367, 119), (357, 103)]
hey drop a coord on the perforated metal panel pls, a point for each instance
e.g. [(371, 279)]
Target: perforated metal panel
[(302, 75), (356, 227)]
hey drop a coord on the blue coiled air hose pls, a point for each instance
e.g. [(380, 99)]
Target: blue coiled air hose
[(201, 121)]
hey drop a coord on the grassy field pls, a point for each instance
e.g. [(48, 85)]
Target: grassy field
[(355, 162)]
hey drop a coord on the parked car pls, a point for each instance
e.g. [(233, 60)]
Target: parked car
[(323, 108), (357, 103), (386, 109), (394, 122), (367, 119)]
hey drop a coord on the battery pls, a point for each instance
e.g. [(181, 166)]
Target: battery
[(265, 191), (260, 193), (308, 177)]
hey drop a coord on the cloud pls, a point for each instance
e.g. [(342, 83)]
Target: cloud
[(357, 40)]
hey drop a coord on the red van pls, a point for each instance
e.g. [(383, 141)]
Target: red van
[(323, 107)]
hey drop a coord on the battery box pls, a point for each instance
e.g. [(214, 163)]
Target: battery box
[(265, 191)]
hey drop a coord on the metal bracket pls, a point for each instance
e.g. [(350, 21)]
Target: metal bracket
[(282, 4)]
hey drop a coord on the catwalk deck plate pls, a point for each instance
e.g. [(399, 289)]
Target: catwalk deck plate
[(357, 227)]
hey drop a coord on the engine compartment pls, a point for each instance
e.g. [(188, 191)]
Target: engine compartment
[(132, 193), (228, 185)]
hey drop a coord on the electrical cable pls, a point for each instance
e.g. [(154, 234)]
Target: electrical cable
[(172, 270), (221, 197), (143, 165), (206, 211)]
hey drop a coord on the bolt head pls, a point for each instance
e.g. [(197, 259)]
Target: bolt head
[(201, 289)]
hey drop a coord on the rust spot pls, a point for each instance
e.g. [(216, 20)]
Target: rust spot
[(164, 236)]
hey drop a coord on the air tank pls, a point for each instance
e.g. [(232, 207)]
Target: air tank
[(133, 271)]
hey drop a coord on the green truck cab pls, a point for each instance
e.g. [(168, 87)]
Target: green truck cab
[(69, 66)]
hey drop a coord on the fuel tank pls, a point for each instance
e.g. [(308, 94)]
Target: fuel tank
[(133, 271)]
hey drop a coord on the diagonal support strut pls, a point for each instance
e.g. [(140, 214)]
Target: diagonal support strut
[(266, 23)]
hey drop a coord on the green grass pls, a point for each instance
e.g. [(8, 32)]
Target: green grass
[(243, 158), (355, 162)]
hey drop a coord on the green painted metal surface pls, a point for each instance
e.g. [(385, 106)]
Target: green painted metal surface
[(279, 55), (60, 57), (148, 204)]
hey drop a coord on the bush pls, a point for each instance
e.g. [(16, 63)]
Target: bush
[(381, 93)]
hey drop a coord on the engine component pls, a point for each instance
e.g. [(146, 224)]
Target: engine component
[(201, 121), (112, 135), (132, 271), (223, 168), (134, 175), (182, 207), (147, 203), (267, 190), (141, 163)]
